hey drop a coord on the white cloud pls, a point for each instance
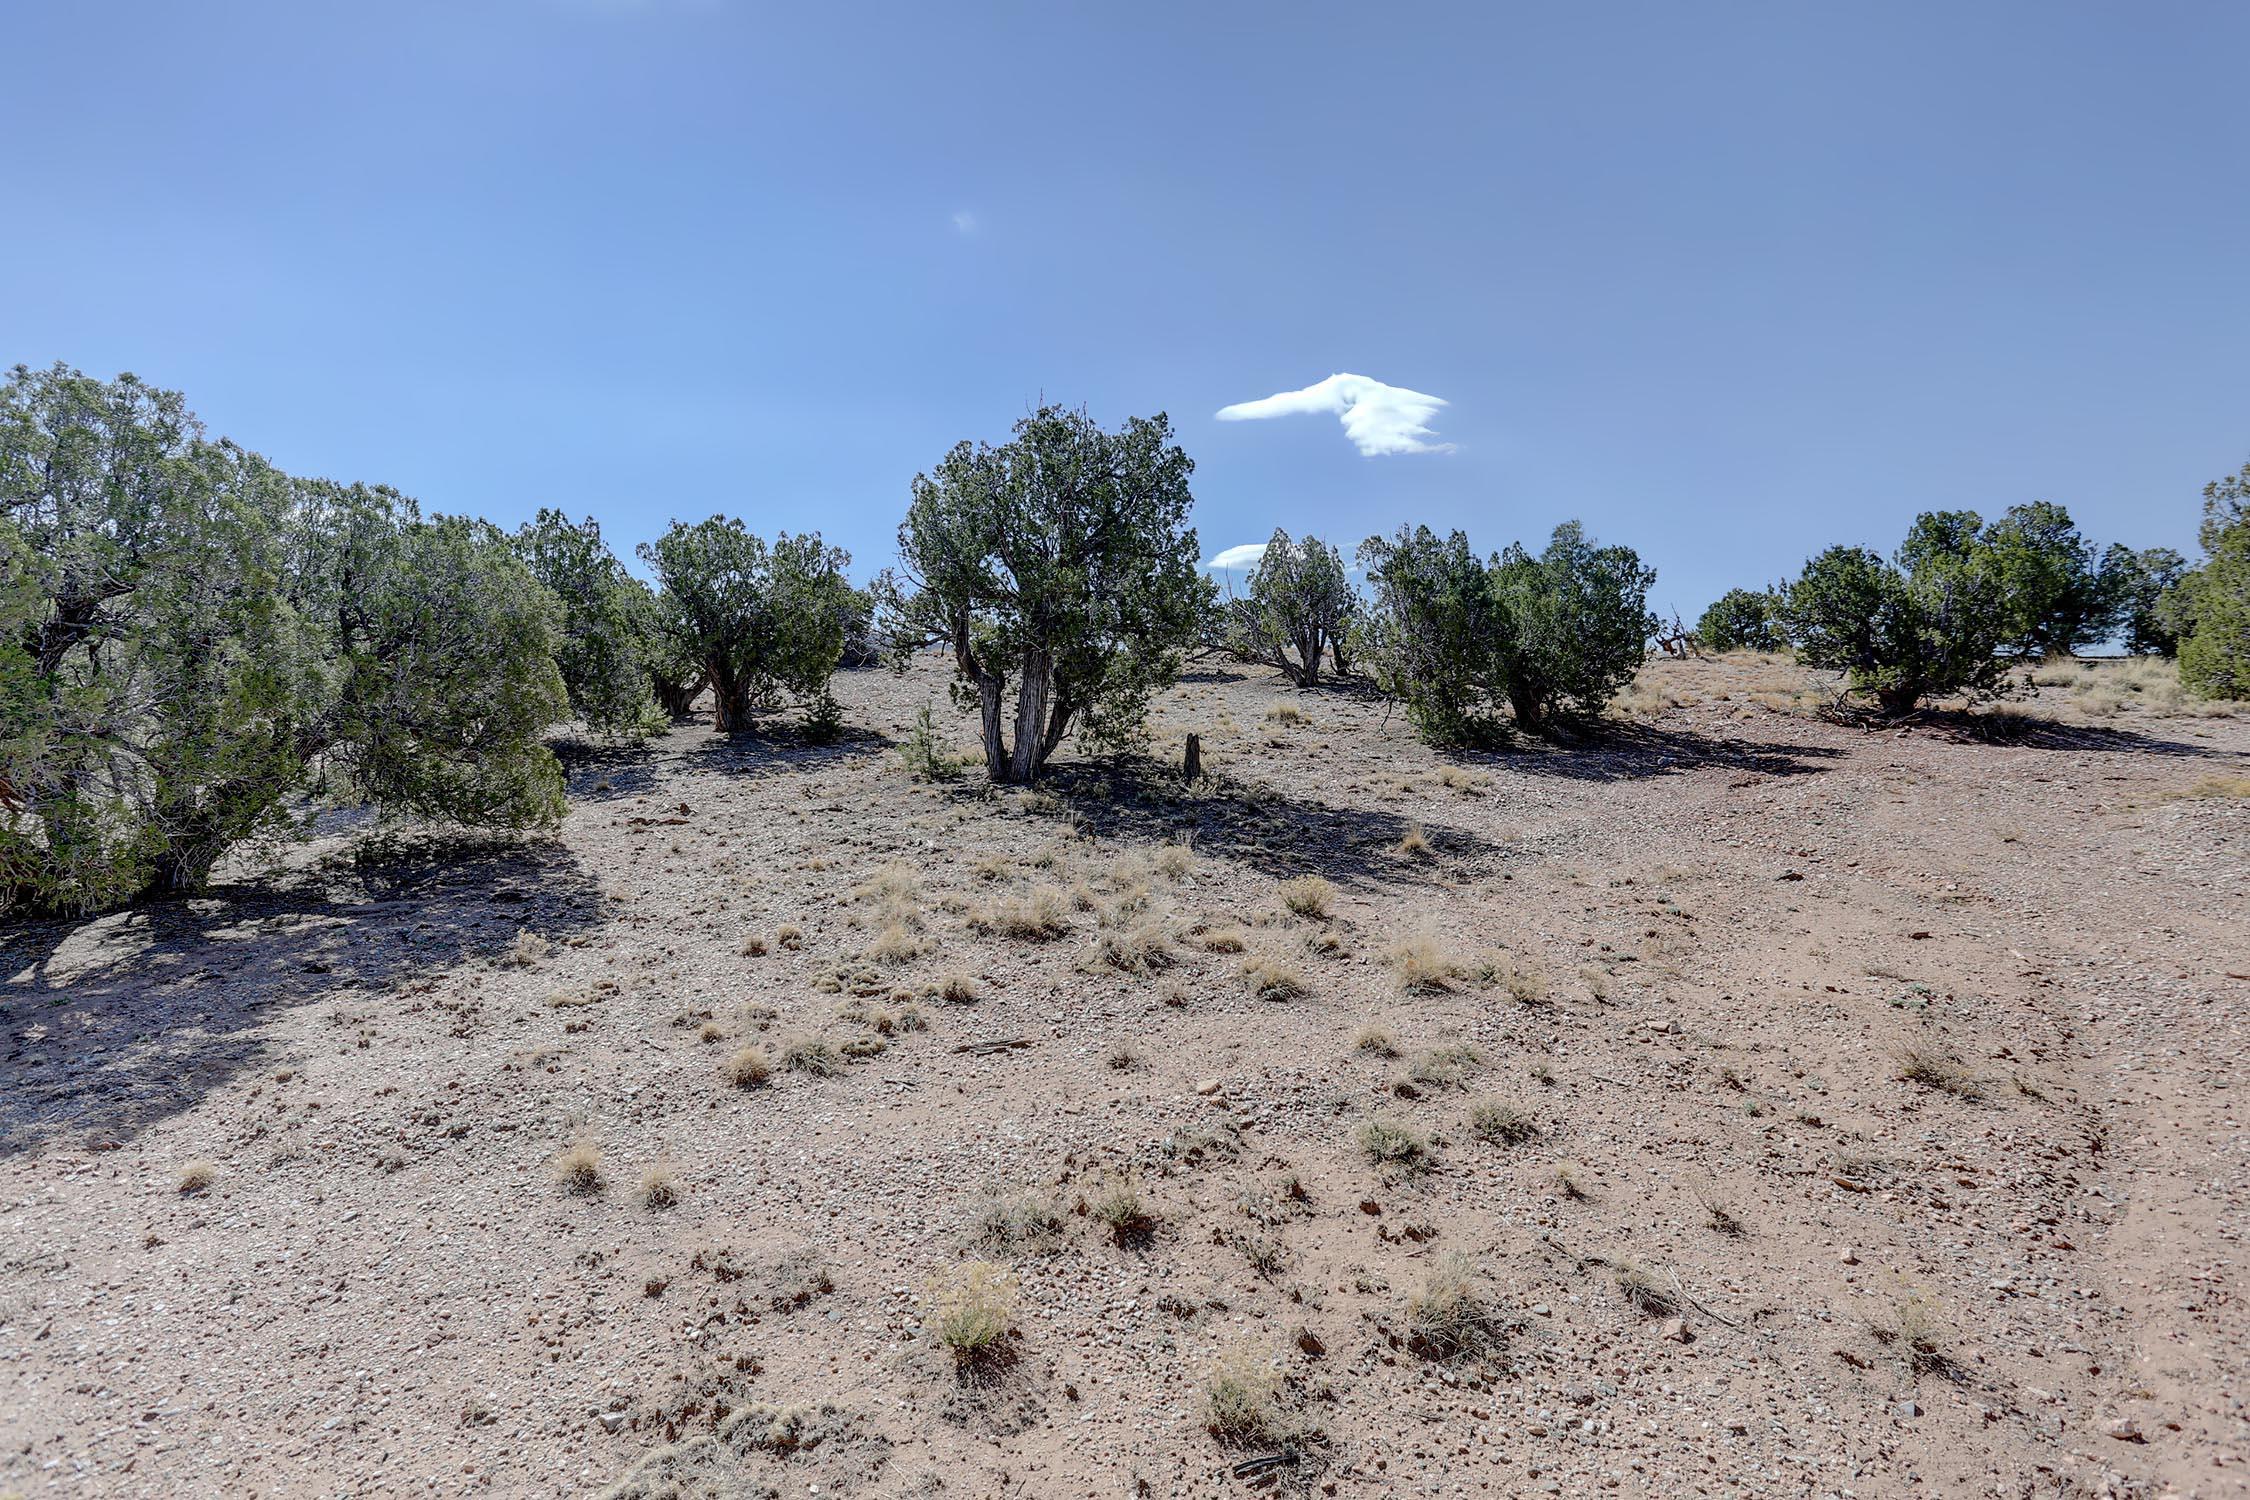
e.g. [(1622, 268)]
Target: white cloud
[(1239, 559), (965, 222), (1378, 418)]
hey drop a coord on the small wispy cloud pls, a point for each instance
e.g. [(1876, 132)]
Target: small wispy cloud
[(1239, 559), (965, 222), (1378, 418)]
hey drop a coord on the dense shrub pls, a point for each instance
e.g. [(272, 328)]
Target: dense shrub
[(1741, 620), (1574, 626), (2135, 584), (1060, 564), (1554, 636), (190, 639), (602, 615), (1932, 623), (1300, 610), (763, 621), (1433, 634), (2056, 599), (2209, 608)]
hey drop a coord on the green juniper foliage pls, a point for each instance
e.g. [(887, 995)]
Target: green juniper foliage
[(1059, 564), (2209, 608), (190, 640), (600, 653), (1301, 608), (1930, 623), (762, 621), (1741, 620), (2135, 583), (1553, 636)]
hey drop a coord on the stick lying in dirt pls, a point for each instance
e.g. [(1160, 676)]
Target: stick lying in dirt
[(986, 1049)]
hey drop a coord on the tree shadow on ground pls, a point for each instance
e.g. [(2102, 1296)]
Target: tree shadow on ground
[(112, 1024), (2036, 732), (1634, 752), (1258, 826), (780, 748)]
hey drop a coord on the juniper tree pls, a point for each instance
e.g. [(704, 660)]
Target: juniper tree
[(1058, 566)]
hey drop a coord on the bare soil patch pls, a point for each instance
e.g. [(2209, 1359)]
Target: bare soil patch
[(1738, 1103)]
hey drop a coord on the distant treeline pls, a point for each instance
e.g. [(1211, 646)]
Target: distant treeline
[(198, 651)]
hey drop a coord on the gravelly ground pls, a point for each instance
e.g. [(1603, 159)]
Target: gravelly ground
[(1737, 916)]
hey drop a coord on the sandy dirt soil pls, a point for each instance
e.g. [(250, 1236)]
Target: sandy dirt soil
[(1776, 1107)]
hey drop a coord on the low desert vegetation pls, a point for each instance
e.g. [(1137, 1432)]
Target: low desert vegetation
[(811, 1054), (1395, 1146), (1117, 1205), (1452, 1313), (578, 1170), (660, 1188), (1502, 1122), (1641, 1287), (1016, 1223), (1035, 917), (969, 1310), (746, 1067), (1308, 896), (1242, 1398), (1273, 978), (1935, 1068), (1424, 966), (197, 1177), (1376, 1041)]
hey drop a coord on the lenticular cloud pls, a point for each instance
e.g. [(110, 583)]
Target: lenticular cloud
[(1239, 559), (1378, 418)]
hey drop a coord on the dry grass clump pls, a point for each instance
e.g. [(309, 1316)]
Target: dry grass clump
[(958, 989), (1394, 1146), (753, 946), (790, 936), (747, 1068), (1037, 917), (1415, 844), (1144, 949), (1639, 1286), (895, 945), (1423, 966), (1015, 1223), (1450, 1315), (579, 1169), (1308, 895), (528, 949), (1284, 712), (1117, 1205), (1446, 1067), (895, 890), (1935, 1069), (660, 1187), (1222, 940), (1273, 978), (2214, 787), (1376, 1041), (970, 1306), (1570, 1181), (197, 1177), (811, 1054), (1502, 1123), (1121, 1056), (1175, 861), (1242, 1399), (1917, 1328)]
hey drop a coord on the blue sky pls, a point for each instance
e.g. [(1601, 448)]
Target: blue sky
[(1728, 282)]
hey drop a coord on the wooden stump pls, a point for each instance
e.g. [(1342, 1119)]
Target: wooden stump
[(1192, 766)]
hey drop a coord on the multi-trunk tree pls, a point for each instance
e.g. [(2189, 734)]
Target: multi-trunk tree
[(1058, 566)]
